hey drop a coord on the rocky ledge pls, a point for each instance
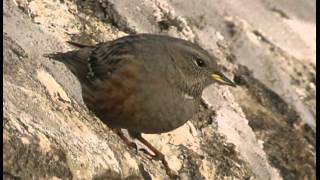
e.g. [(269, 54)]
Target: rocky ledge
[(262, 129)]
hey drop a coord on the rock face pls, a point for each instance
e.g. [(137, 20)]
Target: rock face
[(262, 129)]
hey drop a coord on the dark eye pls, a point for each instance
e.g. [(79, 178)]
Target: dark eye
[(200, 62)]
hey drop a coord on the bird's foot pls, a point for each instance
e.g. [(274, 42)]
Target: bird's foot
[(157, 156), (126, 140)]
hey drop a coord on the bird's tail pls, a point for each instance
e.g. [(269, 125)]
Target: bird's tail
[(76, 61), (80, 45)]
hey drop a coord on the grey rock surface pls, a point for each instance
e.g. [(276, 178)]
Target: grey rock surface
[(262, 129)]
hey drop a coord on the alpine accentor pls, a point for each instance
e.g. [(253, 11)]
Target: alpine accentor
[(144, 83)]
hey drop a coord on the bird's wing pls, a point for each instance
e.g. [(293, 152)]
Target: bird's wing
[(107, 58)]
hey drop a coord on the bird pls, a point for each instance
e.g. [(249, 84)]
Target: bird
[(144, 83)]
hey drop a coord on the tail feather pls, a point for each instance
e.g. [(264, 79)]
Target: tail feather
[(57, 56), (76, 61), (65, 57), (80, 45)]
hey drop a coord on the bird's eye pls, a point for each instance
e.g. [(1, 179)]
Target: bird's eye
[(200, 62)]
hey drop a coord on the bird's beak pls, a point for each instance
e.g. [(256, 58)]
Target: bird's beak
[(222, 79)]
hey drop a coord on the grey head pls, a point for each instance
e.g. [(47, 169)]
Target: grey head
[(195, 67)]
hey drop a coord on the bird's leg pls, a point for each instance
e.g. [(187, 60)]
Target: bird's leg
[(158, 155), (125, 139)]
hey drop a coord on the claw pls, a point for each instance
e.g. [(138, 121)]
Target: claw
[(157, 154)]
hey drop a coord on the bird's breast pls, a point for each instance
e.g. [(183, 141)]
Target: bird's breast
[(137, 100)]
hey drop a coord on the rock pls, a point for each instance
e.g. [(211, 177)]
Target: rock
[(261, 129)]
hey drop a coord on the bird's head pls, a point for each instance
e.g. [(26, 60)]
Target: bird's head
[(197, 68)]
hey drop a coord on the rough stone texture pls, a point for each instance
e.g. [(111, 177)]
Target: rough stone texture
[(262, 129)]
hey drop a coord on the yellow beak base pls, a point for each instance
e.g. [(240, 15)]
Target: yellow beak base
[(222, 79)]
